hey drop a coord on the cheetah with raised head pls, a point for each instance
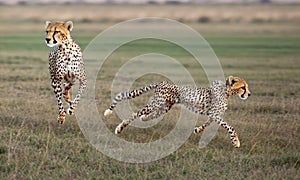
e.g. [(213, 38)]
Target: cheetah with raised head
[(211, 101), (65, 65)]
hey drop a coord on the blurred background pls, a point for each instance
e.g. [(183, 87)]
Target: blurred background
[(146, 1)]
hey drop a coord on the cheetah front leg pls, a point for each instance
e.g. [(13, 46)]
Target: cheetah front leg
[(56, 84), (233, 135)]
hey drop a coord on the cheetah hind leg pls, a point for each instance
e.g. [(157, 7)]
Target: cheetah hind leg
[(135, 116), (66, 93), (67, 97), (70, 81), (145, 114), (121, 126), (156, 112), (140, 114), (199, 129), (73, 104)]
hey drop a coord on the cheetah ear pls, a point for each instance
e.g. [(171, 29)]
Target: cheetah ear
[(69, 25), (230, 80), (47, 23)]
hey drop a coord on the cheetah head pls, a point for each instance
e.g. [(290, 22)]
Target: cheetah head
[(56, 32), (237, 86)]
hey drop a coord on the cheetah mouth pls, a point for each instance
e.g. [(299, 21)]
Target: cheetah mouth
[(50, 45), (242, 96)]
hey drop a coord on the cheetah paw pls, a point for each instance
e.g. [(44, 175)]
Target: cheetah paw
[(118, 129), (107, 112), (61, 118), (198, 130), (143, 117), (70, 111), (236, 143)]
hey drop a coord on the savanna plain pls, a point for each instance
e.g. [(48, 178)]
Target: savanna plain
[(259, 42)]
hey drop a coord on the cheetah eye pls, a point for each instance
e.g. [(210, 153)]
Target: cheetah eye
[(243, 88), (233, 81), (56, 31)]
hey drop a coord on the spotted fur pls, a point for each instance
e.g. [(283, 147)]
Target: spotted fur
[(65, 65), (211, 101)]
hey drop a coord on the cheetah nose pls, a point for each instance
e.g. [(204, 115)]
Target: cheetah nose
[(47, 40), (249, 94)]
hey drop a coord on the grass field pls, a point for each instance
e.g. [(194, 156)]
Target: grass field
[(263, 48)]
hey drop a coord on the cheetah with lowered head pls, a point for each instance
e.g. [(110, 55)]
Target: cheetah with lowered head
[(211, 101), (65, 65)]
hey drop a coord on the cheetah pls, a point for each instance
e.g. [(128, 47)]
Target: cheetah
[(65, 65), (211, 102)]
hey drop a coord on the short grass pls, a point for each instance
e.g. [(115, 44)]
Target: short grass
[(265, 53)]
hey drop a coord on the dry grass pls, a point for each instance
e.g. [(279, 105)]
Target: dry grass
[(34, 146)]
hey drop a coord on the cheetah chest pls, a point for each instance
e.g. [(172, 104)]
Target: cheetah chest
[(65, 58)]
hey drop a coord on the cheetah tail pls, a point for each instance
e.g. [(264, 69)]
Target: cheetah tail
[(129, 95)]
